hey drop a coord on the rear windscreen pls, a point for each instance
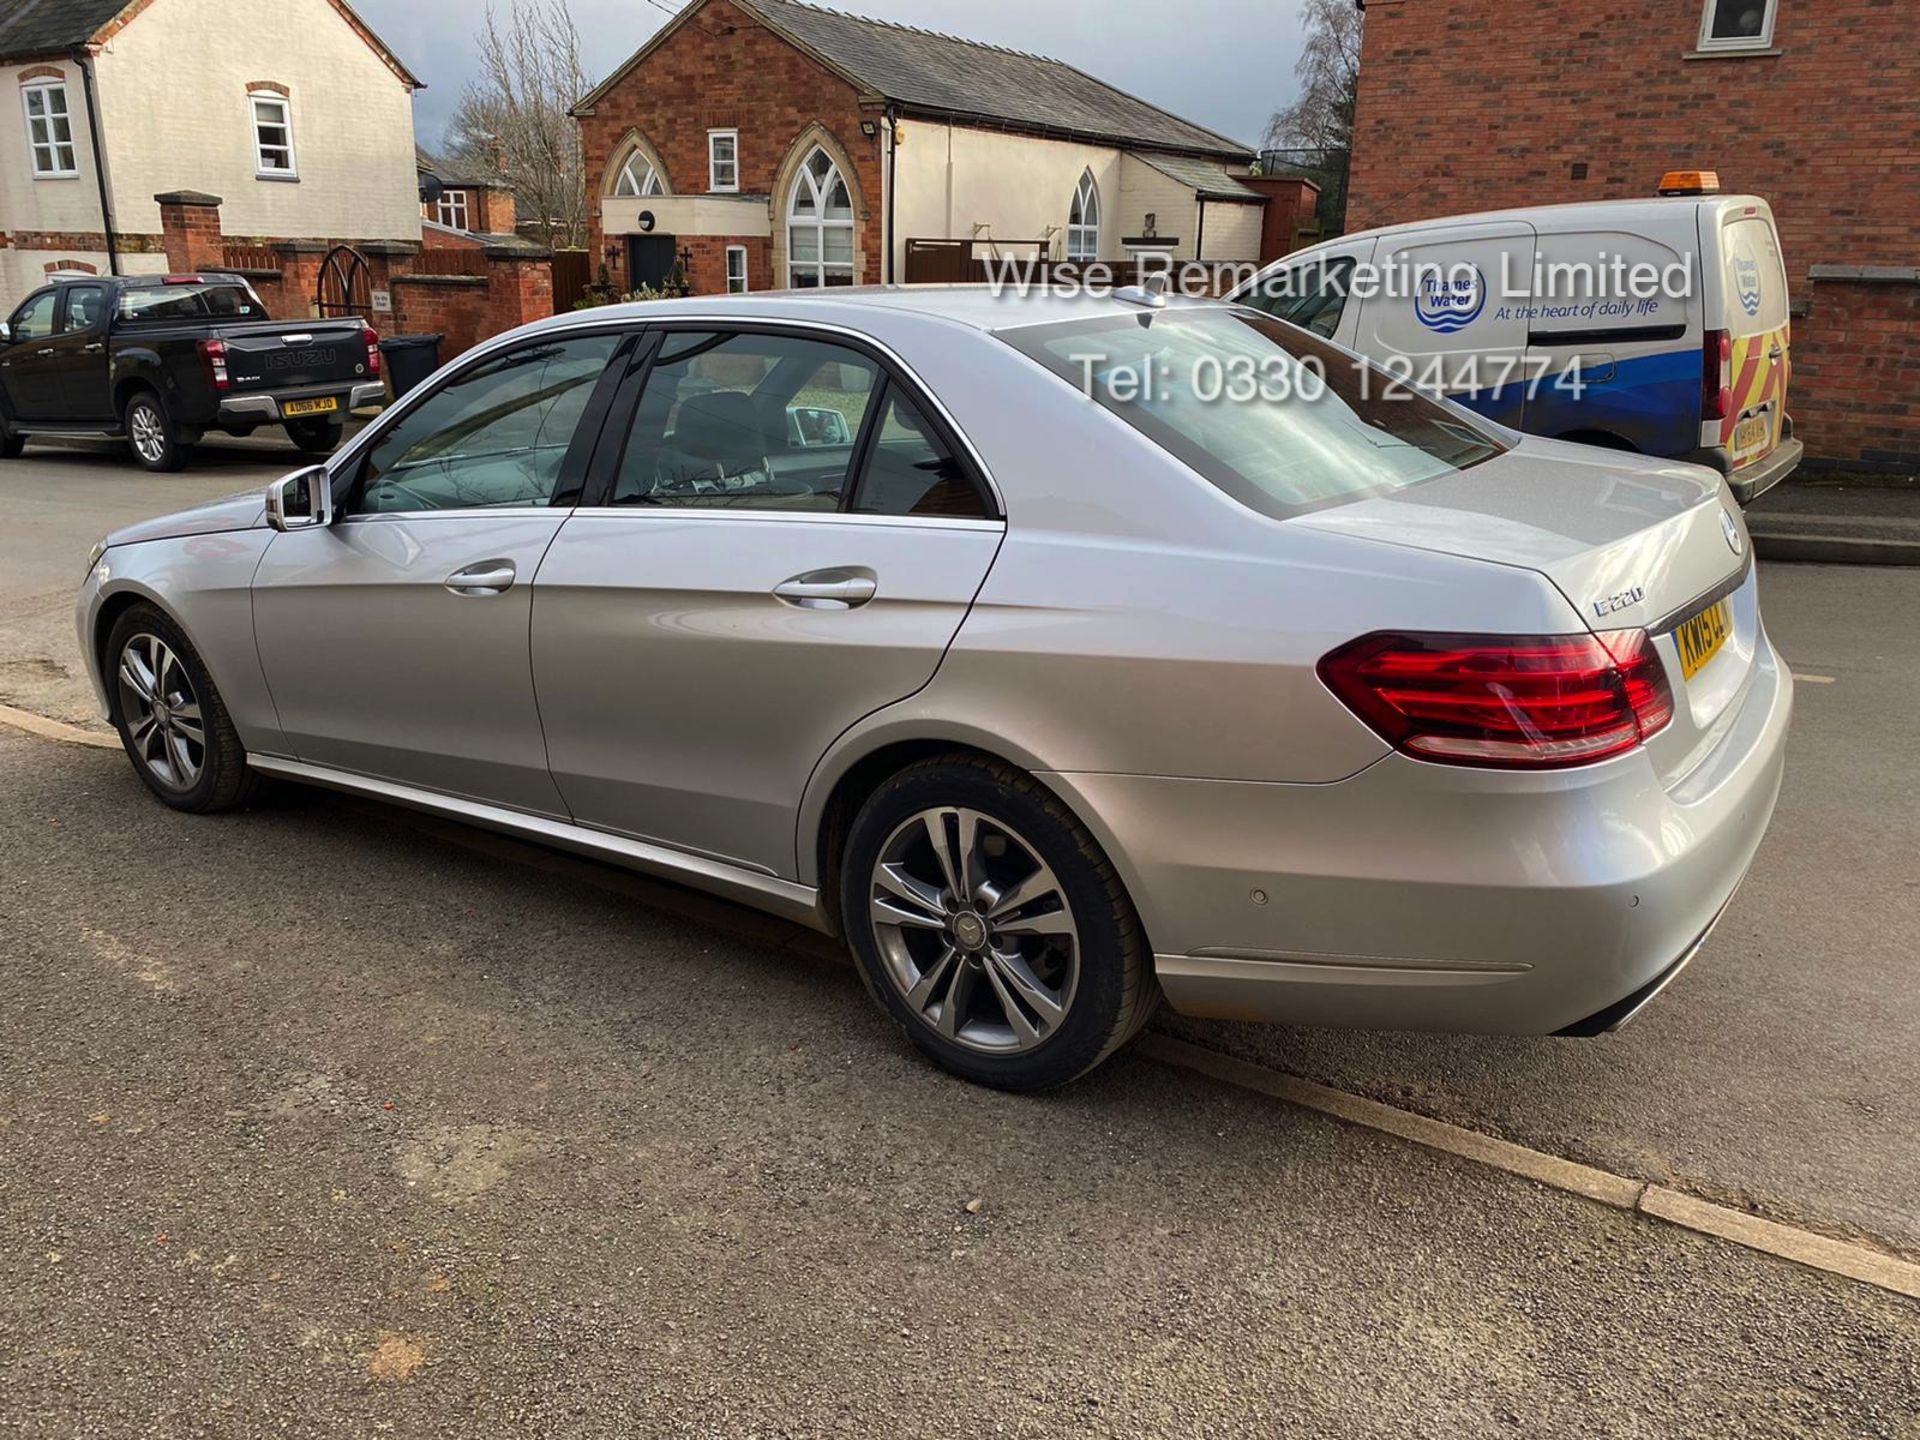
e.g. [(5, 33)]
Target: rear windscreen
[(214, 300), (1756, 278), (1282, 421)]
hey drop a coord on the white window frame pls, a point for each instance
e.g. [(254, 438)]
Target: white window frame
[(52, 144), (454, 203), (737, 284), (714, 162), (1083, 236), (261, 170), (1737, 43), (820, 267)]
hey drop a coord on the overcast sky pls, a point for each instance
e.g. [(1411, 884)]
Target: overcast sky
[(1227, 64)]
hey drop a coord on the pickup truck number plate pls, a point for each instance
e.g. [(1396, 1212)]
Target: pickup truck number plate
[(325, 405)]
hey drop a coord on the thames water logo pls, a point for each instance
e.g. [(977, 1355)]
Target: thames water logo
[(1747, 272), (1448, 303)]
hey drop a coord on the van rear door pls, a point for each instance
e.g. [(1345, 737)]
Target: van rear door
[(1752, 308), (1452, 314)]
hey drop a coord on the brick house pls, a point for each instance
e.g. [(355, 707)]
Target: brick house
[(295, 113), (1469, 105), (767, 144), (465, 204)]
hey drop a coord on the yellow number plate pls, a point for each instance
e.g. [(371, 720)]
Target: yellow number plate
[(1752, 437), (1703, 637), (326, 405)]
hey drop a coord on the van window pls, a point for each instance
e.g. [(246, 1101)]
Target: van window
[(1283, 422), (1314, 297), (1756, 283)]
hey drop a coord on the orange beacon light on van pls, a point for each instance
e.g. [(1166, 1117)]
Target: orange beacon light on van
[(1690, 182)]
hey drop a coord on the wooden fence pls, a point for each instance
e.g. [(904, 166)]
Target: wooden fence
[(449, 262), (1025, 262), (572, 274)]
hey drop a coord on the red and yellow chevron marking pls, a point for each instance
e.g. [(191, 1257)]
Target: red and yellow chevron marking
[(1758, 380)]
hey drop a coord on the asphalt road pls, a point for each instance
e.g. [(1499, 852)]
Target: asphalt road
[(647, 1174), (311, 1123)]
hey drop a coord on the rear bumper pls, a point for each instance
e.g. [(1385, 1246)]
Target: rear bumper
[(1425, 897), (1750, 482), (264, 409)]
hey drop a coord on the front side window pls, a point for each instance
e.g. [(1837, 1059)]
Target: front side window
[(1083, 221), (86, 308), (1281, 421), (723, 160), (736, 269), (750, 421), (273, 136), (453, 209), (34, 320), (50, 131), (495, 435), (1314, 297), (1738, 25), (819, 226)]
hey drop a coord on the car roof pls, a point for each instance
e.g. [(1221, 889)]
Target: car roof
[(1613, 212), (976, 307)]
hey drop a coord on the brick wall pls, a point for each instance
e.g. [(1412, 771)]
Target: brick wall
[(1480, 104), (725, 70)]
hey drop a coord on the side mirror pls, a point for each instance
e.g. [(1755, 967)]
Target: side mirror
[(6, 333), (301, 501), (812, 426)]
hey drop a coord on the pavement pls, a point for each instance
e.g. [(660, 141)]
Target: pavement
[(324, 1117), (1835, 521)]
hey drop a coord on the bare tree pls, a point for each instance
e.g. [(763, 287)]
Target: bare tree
[(513, 122), (1329, 74)]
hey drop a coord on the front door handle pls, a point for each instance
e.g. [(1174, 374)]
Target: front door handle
[(829, 590), (490, 577), (95, 348)]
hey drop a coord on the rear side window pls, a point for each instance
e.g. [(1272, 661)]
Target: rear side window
[(1314, 297), (1756, 278), (911, 470), (86, 308), (1283, 422), (495, 435)]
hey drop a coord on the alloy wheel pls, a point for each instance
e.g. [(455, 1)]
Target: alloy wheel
[(975, 930), (165, 728), (148, 432)]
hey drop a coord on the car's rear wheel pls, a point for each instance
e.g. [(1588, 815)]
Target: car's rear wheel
[(151, 434), (171, 719), (315, 437), (987, 921)]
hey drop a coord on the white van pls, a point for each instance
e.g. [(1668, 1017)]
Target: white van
[(1542, 319)]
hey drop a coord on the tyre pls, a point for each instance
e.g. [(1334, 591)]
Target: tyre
[(315, 437), (151, 434), (171, 719), (12, 444), (987, 921)]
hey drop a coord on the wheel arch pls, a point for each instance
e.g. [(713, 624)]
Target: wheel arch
[(860, 765)]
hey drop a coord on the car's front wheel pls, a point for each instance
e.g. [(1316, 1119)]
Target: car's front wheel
[(990, 924), (151, 433), (12, 444), (171, 719)]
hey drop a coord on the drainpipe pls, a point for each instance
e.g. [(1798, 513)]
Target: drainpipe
[(893, 171), (85, 62)]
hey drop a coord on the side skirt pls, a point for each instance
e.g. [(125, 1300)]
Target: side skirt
[(784, 898)]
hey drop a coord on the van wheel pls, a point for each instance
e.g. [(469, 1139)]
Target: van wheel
[(991, 926), (151, 433)]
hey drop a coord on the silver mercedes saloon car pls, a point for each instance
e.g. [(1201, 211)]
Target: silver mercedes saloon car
[(1060, 654)]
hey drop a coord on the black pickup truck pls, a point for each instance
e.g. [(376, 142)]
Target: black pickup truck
[(161, 360)]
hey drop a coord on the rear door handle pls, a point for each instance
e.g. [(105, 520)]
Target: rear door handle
[(829, 590), (490, 577), (95, 348)]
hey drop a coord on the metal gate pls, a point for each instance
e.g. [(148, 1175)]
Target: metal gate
[(346, 284)]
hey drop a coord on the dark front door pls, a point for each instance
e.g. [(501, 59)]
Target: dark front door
[(650, 260)]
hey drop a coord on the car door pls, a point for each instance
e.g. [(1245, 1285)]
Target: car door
[(784, 536), (23, 372), (75, 373), (395, 640)]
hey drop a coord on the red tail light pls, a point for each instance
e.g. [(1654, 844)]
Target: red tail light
[(1510, 702), (214, 354), (1716, 377), (372, 337)]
